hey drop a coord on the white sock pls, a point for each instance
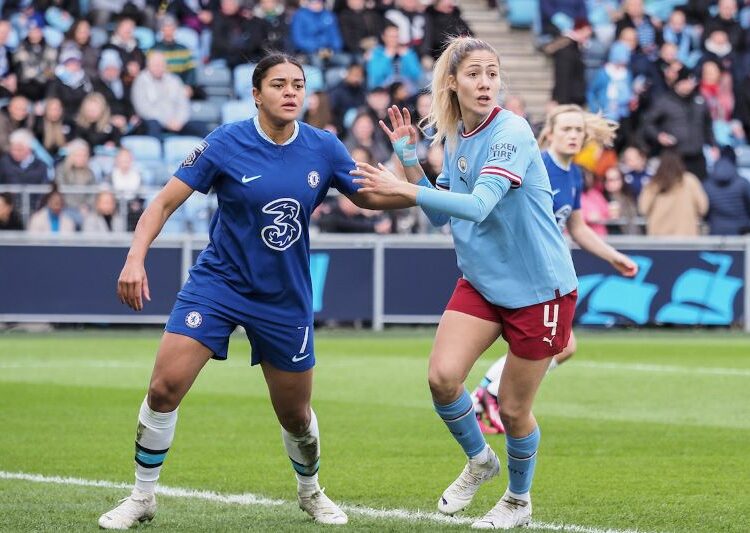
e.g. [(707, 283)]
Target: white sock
[(152, 441), (493, 374), (553, 365), (483, 456), (304, 452), (526, 496)]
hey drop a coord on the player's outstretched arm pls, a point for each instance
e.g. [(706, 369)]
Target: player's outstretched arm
[(588, 240), (403, 138), (132, 285)]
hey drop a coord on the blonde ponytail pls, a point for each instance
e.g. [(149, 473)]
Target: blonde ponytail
[(445, 112), (597, 128)]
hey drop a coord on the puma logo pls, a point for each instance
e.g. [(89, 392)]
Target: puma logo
[(549, 341)]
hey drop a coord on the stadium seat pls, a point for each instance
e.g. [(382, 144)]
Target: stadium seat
[(743, 156), (177, 148), (189, 38), (197, 211), (143, 147), (58, 19), (313, 79), (521, 13), (216, 79), (236, 110), (349, 117), (13, 39), (207, 112), (53, 36), (334, 76), (243, 80), (145, 37), (99, 37)]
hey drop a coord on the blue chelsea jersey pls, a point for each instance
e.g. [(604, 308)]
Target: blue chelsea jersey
[(566, 188), (517, 256), (258, 256)]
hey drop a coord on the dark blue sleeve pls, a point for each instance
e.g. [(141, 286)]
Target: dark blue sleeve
[(341, 163), (577, 187), (203, 164)]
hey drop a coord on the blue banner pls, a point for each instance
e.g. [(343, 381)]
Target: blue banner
[(80, 280), (671, 287)]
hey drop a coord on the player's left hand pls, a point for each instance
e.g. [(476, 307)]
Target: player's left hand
[(377, 180), (624, 265)]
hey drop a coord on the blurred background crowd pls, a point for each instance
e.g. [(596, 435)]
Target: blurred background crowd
[(102, 99)]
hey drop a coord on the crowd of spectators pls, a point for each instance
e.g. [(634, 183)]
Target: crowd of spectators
[(77, 82), (676, 75)]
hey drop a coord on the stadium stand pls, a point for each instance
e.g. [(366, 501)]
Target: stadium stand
[(530, 35)]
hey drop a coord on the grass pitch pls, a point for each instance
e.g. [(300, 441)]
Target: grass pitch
[(643, 431)]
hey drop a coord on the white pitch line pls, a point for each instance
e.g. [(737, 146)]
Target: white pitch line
[(253, 499), (77, 364), (635, 367), (671, 369)]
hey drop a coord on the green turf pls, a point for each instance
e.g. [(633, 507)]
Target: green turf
[(623, 447)]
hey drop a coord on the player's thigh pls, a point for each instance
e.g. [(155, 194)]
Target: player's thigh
[(178, 362), (286, 354), (460, 340)]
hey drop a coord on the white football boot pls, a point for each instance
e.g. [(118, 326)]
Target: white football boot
[(508, 513), (322, 509), (136, 508), (460, 493)]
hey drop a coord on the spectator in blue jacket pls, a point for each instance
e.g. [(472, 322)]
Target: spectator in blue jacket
[(391, 61), (729, 199), (315, 32), (611, 90)]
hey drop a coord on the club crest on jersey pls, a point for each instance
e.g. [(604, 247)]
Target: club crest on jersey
[(313, 179), (463, 164), (194, 154), (193, 319)]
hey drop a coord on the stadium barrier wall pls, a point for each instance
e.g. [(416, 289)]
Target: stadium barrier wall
[(377, 279)]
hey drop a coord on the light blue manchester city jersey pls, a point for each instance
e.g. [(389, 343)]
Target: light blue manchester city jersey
[(517, 256)]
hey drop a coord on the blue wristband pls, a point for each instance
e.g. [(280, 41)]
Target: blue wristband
[(407, 153)]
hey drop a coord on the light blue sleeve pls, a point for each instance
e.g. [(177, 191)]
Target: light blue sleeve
[(436, 218), (475, 207)]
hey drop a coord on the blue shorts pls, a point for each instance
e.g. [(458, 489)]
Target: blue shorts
[(286, 347)]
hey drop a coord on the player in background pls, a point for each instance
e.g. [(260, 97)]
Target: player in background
[(518, 278), (269, 174), (567, 129)]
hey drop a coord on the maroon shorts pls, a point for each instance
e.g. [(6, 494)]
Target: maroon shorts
[(533, 332)]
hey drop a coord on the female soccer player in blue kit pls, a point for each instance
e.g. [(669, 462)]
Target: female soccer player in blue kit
[(566, 130), (269, 174), (518, 278)]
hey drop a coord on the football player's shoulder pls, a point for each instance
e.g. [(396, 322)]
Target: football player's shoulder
[(314, 135), (511, 124), (228, 135)]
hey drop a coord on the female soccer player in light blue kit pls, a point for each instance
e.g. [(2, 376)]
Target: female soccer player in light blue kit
[(566, 130), (518, 278), (269, 174)]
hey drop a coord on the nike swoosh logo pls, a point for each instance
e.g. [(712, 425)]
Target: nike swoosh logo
[(245, 179), (554, 193), (297, 358)]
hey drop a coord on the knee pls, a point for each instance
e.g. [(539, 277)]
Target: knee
[(444, 387), (512, 414), (163, 395), (295, 420)]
